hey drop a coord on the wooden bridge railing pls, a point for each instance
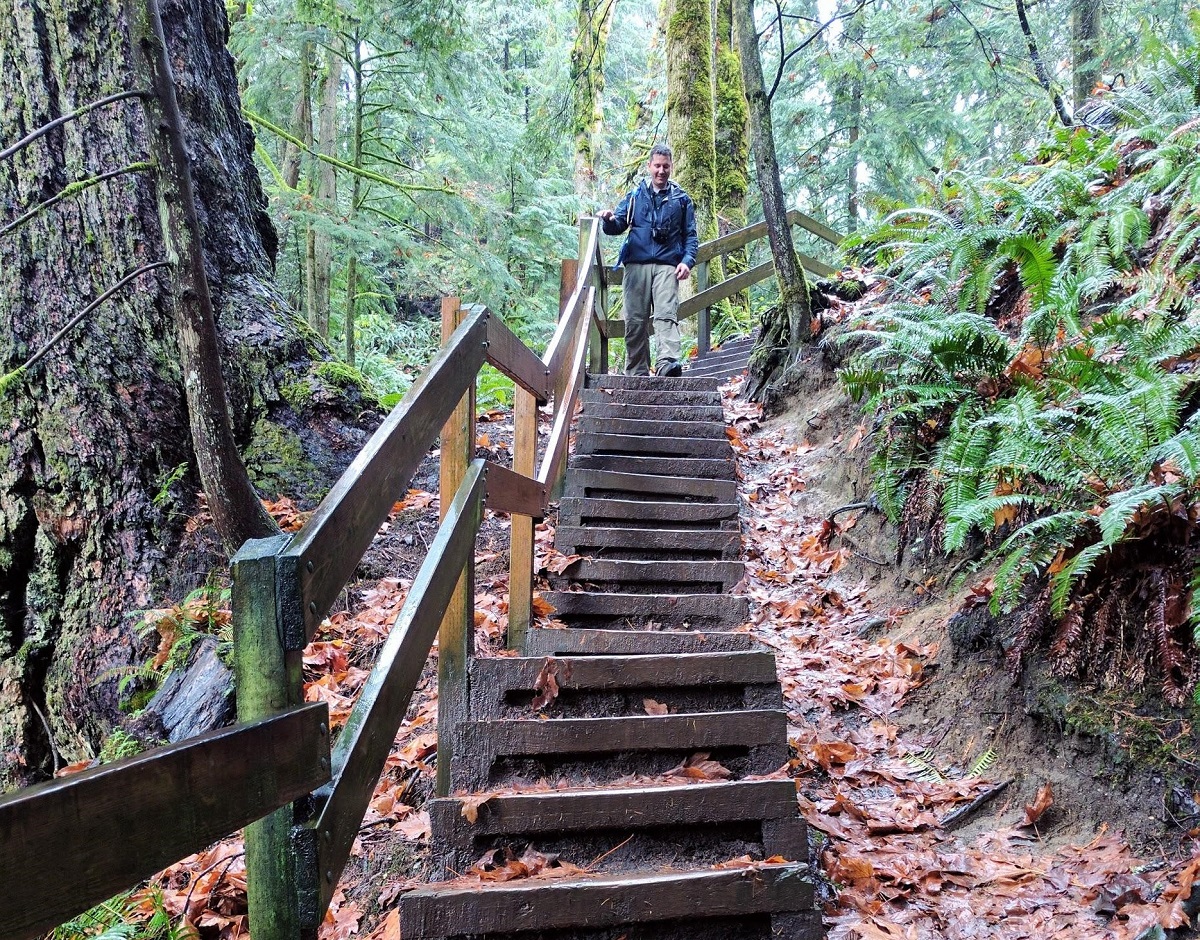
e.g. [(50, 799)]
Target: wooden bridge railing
[(71, 843), (708, 294)]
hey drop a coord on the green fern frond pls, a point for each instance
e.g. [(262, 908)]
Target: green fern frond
[(923, 767), (983, 763)]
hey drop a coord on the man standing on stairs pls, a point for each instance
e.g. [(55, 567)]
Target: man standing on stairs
[(658, 253)]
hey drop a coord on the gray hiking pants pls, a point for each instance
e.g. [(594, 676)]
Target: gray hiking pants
[(650, 290)]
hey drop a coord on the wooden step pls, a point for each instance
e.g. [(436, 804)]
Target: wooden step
[(698, 611), (679, 574), (648, 544), (573, 510), (596, 443), (649, 383), (580, 641), (760, 734), (712, 430), (599, 901), (622, 811), (618, 409), (502, 683), (643, 397), (681, 467), (585, 481)]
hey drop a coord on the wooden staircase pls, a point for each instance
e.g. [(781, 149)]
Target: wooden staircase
[(593, 778), (726, 361)]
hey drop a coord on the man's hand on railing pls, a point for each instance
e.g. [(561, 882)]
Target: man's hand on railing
[(606, 214)]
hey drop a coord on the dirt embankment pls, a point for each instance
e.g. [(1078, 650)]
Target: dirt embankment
[(1112, 757)]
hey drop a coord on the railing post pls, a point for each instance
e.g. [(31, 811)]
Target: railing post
[(703, 321), (520, 559), (456, 636), (269, 680)]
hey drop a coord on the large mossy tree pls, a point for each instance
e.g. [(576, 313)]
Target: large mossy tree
[(97, 467)]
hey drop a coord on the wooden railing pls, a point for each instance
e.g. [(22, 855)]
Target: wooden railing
[(72, 843), (708, 294), (69, 844)]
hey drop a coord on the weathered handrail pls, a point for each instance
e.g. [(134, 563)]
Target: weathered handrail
[(364, 744), (323, 555), (103, 830), (294, 863)]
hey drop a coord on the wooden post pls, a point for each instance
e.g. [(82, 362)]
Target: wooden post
[(703, 323), (456, 636), (568, 271), (520, 559), (269, 680)]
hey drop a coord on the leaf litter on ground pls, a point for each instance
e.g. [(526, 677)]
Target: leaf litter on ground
[(898, 872)]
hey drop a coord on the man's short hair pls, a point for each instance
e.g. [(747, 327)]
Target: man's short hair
[(661, 150)]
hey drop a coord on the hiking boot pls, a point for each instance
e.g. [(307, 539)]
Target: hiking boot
[(668, 368)]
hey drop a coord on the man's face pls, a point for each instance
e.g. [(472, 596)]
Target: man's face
[(660, 170)]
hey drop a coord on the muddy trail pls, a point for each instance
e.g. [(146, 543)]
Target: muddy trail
[(944, 799)]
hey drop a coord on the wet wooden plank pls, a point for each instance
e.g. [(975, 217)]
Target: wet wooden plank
[(618, 409), (627, 807), (590, 423), (74, 842), (651, 396), (364, 744), (725, 573), (574, 508), (592, 537), (652, 383), (661, 468), (593, 443), (514, 492), (624, 672), (726, 610), (602, 901), (509, 355), (699, 730), (591, 642)]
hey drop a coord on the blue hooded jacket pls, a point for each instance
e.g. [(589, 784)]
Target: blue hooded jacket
[(643, 210)]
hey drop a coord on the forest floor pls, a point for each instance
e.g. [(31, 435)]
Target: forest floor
[(945, 799)]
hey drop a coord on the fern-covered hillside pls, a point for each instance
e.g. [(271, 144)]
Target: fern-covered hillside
[(1032, 363)]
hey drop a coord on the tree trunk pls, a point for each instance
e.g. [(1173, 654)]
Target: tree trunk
[(322, 247), (587, 85), (690, 106), (1085, 49), (795, 304), (1039, 67), (94, 440), (732, 147), (301, 125), (356, 67)]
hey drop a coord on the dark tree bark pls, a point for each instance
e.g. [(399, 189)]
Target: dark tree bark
[(1039, 67), (795, 304), (1085, 49), (91, 512)]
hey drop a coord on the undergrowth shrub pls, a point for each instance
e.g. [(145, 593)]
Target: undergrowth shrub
[(1033, 370)]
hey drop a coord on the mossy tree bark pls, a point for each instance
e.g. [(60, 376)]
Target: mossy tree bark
[(587, 88), (97, 468), (1085, 49), (779, 343), (690, 123), (327, 120), (732, 145)]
